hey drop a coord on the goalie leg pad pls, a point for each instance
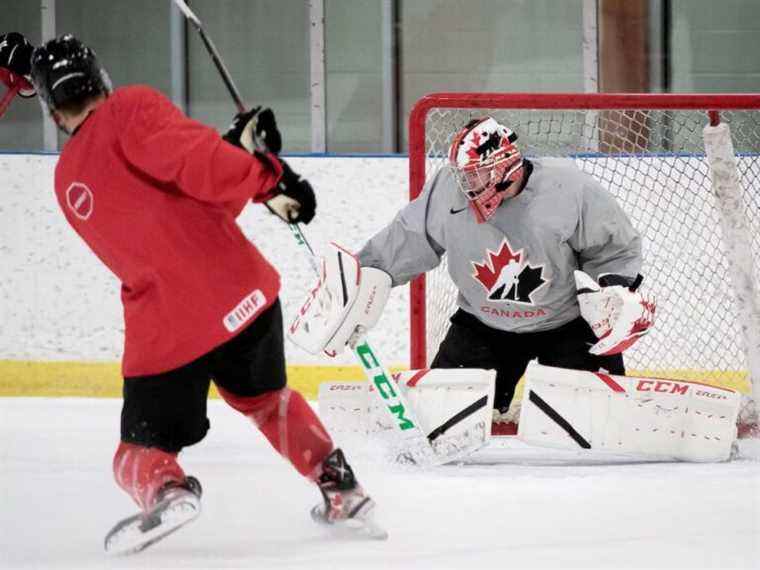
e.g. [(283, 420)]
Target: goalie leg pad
[(644, 417), (453, 407)]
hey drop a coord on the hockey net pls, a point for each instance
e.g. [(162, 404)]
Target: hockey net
[(648, 151)]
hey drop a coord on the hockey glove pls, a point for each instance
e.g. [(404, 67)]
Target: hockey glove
[(255, 130), (16, 62), (294, 199), (616, 312)]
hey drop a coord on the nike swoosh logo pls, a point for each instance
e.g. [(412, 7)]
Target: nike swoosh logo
[(453, 211)]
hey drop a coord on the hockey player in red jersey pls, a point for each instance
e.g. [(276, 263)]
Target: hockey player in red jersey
[(155, 195)]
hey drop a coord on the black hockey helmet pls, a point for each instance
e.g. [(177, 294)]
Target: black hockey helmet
[(66, 70)]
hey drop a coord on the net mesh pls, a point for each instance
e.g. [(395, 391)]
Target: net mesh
[(653, 162)]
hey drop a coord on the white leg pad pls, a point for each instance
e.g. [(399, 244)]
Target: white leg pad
[(453, 407), (643, 417)]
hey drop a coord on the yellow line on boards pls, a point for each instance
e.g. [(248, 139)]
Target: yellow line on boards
[(103, 379)]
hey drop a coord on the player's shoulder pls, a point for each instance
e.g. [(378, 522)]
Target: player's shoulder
[(557, 167), (134, 97), (443, 184)]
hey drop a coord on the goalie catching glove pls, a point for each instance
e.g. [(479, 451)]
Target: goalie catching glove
[(617, 313), (346, 301)]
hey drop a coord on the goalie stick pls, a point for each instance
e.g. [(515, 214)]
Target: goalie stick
[(416, 446), (393, 401)]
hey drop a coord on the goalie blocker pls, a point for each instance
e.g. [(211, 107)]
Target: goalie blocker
[(346, 301)]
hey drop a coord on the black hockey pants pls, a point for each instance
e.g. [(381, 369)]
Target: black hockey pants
[(471, 344)]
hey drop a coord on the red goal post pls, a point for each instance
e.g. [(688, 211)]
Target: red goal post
[(648, 150)]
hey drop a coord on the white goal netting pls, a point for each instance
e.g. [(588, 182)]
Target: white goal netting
[(653, 161)]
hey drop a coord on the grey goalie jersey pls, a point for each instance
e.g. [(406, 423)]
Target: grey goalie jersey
[(514, 272)]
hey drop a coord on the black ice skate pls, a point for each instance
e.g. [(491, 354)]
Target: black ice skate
[(346, 508), (176, 505)]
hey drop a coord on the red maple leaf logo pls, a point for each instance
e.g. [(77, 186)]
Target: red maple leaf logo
[(488, 273), (472, 151)]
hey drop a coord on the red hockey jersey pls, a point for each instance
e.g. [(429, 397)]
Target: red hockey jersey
[(155, 196)]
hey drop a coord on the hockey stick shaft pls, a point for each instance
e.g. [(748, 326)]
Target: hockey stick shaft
[(303, 242), (394, 403), (237, 98), (214, 53)]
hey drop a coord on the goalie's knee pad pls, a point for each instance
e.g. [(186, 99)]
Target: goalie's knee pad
[(290, 425)]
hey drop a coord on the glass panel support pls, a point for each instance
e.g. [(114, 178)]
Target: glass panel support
[(49, 130), (317, 75)]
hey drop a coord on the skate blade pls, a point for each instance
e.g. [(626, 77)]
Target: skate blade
[(127, 537), (354, 528), (364, 529)]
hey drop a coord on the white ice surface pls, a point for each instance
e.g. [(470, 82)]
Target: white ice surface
[(511, 507)]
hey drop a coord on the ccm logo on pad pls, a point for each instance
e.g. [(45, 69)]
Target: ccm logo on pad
[(661, 386), (80, 200)]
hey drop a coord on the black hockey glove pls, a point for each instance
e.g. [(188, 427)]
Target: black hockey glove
[(253, 129), (294, 199), (16, 59), (612, 279)]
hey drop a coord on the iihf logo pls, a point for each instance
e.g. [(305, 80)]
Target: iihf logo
[(508, 276)]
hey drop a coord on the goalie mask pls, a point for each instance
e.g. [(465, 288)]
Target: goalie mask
[(486, 163)]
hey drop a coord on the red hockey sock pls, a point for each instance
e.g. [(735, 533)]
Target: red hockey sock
[(142, 471), (290, 425)]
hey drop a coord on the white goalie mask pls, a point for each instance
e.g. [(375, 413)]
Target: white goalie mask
[(485, 162)]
